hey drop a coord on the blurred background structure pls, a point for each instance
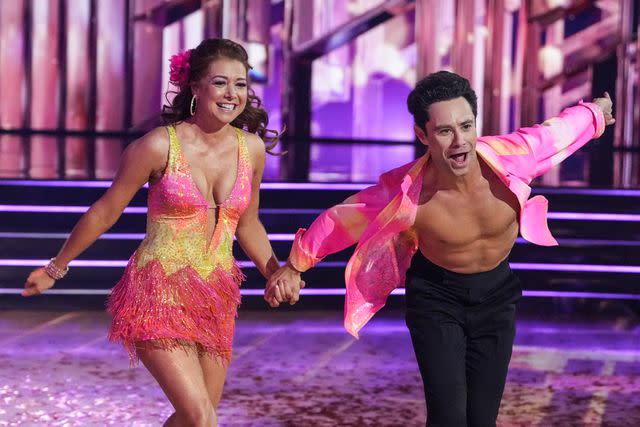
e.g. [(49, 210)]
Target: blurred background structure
[(83, 78)]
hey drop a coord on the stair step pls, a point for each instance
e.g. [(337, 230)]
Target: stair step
[(311, 195), (562, 224), (121, 246), (540, 276)]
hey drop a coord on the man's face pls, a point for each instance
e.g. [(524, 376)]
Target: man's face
[(451, 135)]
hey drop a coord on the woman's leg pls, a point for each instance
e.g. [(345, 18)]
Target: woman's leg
[(180, 375), (214, 376)]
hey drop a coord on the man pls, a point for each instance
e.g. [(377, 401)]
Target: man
[(447, 222)]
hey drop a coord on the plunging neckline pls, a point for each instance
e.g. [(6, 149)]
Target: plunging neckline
[(195, 186)]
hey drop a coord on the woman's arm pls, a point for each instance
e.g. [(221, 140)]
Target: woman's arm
[(141, 160), (250, 233)]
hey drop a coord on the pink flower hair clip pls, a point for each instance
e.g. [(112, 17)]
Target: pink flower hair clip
[(179, 69)]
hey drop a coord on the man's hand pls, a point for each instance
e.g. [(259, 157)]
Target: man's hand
[(606, 106), (283, 285)]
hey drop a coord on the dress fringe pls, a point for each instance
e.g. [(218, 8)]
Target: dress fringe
[(181, 310)]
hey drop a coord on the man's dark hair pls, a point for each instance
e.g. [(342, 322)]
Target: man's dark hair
[(436, 87)]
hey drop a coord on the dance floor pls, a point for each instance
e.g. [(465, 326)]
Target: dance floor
[(299, 368)]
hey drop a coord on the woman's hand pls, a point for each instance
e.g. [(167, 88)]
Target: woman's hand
[(37, 282)]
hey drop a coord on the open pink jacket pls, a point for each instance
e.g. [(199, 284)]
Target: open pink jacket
[(380, 218)]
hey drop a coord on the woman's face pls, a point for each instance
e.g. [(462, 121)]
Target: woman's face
[(222, 93)]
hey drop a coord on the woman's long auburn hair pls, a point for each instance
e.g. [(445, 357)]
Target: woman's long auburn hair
[(254, 118)]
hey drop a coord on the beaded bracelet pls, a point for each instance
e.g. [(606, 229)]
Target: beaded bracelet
[(54, 271)]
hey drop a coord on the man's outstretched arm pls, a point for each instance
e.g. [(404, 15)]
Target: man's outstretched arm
[(556, 139), (569, 132)]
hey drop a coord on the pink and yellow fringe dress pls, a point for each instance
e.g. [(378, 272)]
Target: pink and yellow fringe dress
[(178, 288)]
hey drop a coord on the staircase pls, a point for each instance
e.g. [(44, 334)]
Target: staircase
[(598, 230)]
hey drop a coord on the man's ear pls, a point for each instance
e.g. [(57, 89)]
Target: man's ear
[(420, 134)]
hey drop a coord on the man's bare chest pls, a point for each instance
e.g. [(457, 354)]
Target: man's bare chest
[(456, 220)]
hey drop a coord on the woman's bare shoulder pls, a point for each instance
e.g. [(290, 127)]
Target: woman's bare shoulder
[(255, 144), (152, 148), (156, 141)]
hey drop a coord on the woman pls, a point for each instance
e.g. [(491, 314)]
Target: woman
[(175, 306)]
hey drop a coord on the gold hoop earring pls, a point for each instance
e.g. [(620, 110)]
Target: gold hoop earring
[(192, 106)]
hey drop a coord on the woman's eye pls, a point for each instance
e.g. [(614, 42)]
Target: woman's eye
[(219, 82)]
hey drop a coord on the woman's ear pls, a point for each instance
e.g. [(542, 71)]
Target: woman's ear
[(194, 89)]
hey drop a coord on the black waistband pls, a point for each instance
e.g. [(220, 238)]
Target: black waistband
[(423, 268)]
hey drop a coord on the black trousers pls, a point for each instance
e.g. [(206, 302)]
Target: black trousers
[(462, 327)]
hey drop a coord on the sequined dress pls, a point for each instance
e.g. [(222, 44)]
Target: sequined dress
[(178, 288)]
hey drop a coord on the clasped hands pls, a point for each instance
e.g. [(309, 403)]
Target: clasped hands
[(283, 286)]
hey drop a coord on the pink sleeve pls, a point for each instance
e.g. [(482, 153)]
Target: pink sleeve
[(337, 228), (559, 137)]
